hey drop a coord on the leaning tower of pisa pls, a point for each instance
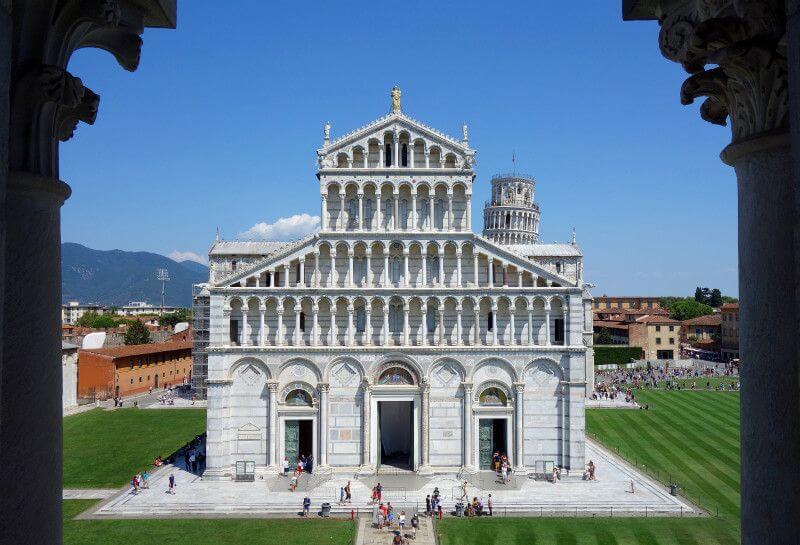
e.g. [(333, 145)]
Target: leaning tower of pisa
[(511, 216)]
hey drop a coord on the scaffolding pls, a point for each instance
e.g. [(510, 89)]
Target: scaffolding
[(200, 323)]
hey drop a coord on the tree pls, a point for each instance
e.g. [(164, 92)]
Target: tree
[(604, 336), (137, 333), (698, 295), (172, 318), (97, 321), (687, 309), (715, 300)]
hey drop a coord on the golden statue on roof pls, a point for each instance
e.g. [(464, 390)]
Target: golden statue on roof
[(396, 99)]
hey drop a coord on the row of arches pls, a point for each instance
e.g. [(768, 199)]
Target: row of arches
[(397, 150), (446, 371), (397, 321), (395, 263), (396, 207)]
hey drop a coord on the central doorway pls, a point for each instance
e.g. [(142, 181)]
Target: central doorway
[(298, 439), (396, 434), (492, 437)]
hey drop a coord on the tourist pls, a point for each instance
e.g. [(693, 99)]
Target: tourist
[(341, 495), (171, 483), (380, 519), (496, 461), (134, 485), (310, 463), (402, 521), (285, 466), (414, 525), (145, 478), (591, 470), (440, 511), (464, 491), (428, 511), (293, 483), (201, 461), (347, 496), (192, 461), (504, 472), (379, 490), (158, 462), (306, 506), (385, 513), (389, 514), (489, 505), (397, 539)]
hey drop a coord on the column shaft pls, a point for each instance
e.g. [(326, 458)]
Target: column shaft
[(323, 424)]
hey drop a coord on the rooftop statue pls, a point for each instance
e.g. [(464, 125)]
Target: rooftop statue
[(396, 99)]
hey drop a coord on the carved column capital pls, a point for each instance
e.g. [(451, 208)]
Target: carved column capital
[(273, 386), (745, 42)]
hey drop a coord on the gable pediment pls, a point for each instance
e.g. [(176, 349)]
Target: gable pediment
[(396, 123)]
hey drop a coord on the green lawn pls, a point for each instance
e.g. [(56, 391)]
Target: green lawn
[(202, 531), (103, 449), (688, 437), (588, 531)]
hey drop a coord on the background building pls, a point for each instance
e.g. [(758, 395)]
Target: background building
[(72, 311), (141, 308), (104, 373), (627, 302), (730, 331)]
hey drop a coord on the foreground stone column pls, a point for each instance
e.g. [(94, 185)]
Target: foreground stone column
[(468, 466), (323, 424), (425, 390), (273, 422), (737, 55), (366, 461)]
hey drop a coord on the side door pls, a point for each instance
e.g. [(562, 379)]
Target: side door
[(292, 441)]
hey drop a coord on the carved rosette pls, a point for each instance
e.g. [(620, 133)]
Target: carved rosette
[(744, 42)]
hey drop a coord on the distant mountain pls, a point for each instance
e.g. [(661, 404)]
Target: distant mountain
[(116, 277)]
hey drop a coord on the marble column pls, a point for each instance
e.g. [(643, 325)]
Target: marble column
[(424, 267), (323, 424), (406, 279), (493, 323), (425, 391), (350, 279), (548, 342), (414, 210), (315, 281), (405, 324), (360, 211), (369, 268), (261, 310), (475, 270), (512, 340), (279, 333), (298, 335), (468, 225), (441, 268), (459, 341), (272, 385), (530, 326), (477, 324), (315, 325), (386, 268), (366, 388), (350, 328), (519, 421), (467, 388), (458, 269), (490, 271), (324, 212), (342, 218), (286, 275), (440, 325), (431, 214), (396, 212), (385, 332), (427, 159), (450, 222), (424, 322), (368, 328), (246, 325)]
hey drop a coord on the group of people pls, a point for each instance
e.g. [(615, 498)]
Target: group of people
[(589, 474), (346, 495), (501, 466), (305, 464), (140, 482), (194, 455), (377, 493), (610, 384), (385, 517), (433, 504)]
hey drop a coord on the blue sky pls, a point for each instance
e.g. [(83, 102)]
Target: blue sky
[(219, 126)]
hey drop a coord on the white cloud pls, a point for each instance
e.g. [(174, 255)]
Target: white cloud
[(283, 229), (179, 256)]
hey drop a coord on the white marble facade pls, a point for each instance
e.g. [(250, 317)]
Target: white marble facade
[(395, 332)]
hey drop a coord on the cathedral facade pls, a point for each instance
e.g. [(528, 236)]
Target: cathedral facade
[(395, 336)]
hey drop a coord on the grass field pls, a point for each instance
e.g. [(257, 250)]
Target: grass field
[(202, 531), (690, 437), (103, 449), (602, 531)]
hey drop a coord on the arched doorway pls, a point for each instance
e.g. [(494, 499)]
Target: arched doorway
[(396, 403)]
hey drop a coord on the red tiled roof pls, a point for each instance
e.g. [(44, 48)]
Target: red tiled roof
[(140, 349), (650, 319), (609, 324), (707, 320), (730, 306)]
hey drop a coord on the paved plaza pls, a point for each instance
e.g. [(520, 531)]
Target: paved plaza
[(194, 497)]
